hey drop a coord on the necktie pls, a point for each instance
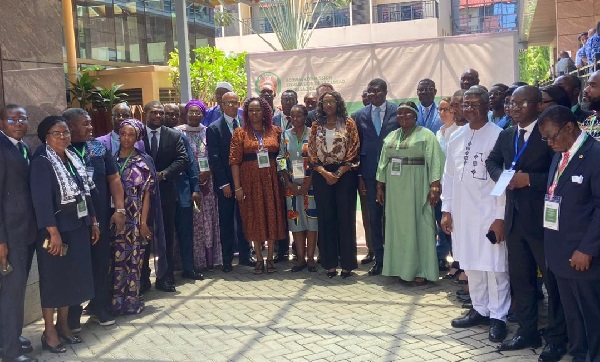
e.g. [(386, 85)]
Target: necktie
[(235, 124), (377, 121), (561, 168), (154, 145), (288, 122), (23, 150), (521, 140)]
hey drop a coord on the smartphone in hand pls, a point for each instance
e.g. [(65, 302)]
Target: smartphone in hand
[(491, 237)]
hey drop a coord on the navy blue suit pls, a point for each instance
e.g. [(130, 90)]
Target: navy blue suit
[(18, 230), (370, 150), (218, 143), (579, 229)]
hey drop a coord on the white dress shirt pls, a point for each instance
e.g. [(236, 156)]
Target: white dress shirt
[(149, 133), (527, 129), (381, 110)]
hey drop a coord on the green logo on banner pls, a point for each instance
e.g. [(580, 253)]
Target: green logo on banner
[(267, 77)]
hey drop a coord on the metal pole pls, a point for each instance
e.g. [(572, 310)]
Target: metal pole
[(183, 46), (67, 15)]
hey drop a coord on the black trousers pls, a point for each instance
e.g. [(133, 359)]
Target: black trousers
[(230, 225), (580, 298), (184, 224), (336, 205), (525, 255), (12, 299)]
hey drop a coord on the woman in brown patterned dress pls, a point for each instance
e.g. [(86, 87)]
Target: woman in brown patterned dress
[(253, 154), (333, 155)]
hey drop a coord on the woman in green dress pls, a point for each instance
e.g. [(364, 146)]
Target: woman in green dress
[(408, 175)]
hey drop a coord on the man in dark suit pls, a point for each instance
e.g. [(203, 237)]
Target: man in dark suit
[(17, 231), (374, 123), (166, 148), (522, 149), (218, 142), (572, 85), (572, 236)]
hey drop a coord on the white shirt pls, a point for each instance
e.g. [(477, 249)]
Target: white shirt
[(150, 135), (527, 129), (229, 122), (444, 133), (381, 110)]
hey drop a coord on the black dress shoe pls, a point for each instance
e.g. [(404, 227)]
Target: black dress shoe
[(297, 268), (461, 292), (281, 257), (24, 350), (228, 268), (246, 262), (553, 352), (331, 274), (193, 275), (368, 258), (520, 342), (165, 286), (473, 318), (375, 269), (467, 305), (21, 358), (345, 274), (24, 341), (464, 298), (497, 330)]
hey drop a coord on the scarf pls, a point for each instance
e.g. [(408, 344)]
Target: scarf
[(69, 190)]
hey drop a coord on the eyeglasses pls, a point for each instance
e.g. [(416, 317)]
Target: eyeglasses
[(58, 134), (329, 103), (553, 138), (121, 115), (471, 105), (407, 115), (194, 113), (444, 109), (522, 104), (21, 120), (425, 90), (231, 104)]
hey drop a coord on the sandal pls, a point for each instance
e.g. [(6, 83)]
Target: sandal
[(418, 282), (452, 275), (271, 266), (259, 267)]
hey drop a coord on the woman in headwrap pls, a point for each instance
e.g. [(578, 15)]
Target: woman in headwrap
[(408, 185), (139, 183), (207, 246), (61, 190)]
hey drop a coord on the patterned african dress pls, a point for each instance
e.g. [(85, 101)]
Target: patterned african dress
[(301, 210), (128, 248), (207, 235), (592, 126)]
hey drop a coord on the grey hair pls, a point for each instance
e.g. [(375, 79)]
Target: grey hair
[(479, 92)]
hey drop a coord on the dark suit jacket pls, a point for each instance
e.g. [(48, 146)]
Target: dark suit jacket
[(171, 159), (312, 116), (579, 216), (580, 114), (17, 217), (218, 143), (370, 142), (535, 160)]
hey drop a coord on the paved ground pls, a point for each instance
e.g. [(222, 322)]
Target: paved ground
[(289, 317)]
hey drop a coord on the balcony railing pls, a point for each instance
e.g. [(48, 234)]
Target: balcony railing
[(329, 19), (405, 11)]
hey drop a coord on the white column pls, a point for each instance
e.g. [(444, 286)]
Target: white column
[(183, 46), (370, 11)]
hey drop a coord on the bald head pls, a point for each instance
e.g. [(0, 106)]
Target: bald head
[(120, 112), (230, 104), (469, 78), (571, 84)]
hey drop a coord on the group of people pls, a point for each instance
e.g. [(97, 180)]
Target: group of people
[(500, 179)]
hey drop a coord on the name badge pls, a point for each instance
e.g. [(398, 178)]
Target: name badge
[(298, 169), (503, 182), (396, 164), (90, 171), (551, 211), (263, 159), (203, 164), (82, 210)]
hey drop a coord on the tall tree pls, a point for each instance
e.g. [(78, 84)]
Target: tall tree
[(292, 21), (534, 64)]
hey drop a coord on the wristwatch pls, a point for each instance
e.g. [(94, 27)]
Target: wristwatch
[(120, 211), (434, 189)]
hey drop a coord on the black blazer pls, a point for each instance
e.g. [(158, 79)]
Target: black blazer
[(579, 216), (371, 143), (218, 143), (17, 217), (171, 159), (535, 160)]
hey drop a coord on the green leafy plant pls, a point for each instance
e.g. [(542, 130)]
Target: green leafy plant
[(84, 89), (211, 66), (534, 64), (109, 97), (291, 20)]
